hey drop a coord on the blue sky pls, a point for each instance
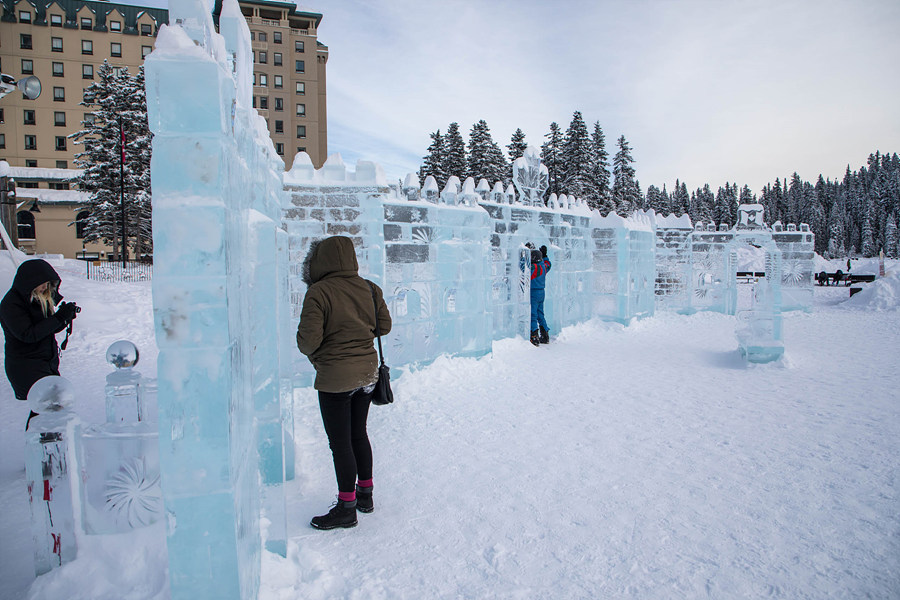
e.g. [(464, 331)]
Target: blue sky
[(706, 91)]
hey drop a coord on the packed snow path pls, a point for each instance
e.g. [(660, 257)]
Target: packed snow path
[(647, 462)]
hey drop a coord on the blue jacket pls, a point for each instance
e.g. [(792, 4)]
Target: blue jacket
[(539, 273)]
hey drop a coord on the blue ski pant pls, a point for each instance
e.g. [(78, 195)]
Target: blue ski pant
[(537, 310)]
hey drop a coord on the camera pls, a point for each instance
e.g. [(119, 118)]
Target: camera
[(77, 308)]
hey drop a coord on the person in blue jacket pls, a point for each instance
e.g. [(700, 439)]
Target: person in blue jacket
[(540, 264)]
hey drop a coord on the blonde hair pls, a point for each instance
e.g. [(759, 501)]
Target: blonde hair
[(45, 298)]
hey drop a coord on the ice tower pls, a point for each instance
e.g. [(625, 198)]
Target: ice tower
[(219, 326)]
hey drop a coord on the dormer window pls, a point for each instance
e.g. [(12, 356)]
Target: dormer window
[(146, 29), (24, 16), (86, 23), (115, 25)]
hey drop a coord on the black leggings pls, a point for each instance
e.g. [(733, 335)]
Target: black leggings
[(344, 415)]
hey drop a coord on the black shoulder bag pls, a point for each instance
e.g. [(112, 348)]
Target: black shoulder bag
[(382, 394)]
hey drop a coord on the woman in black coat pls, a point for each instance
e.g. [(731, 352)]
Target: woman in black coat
[(30, 322)]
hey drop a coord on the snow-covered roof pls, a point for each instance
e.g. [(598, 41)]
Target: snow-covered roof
[(45, 196), (43, 174)]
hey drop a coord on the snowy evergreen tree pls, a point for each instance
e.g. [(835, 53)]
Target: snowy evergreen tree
[(600, 175), (551, 156), (681, 201), (702, 206), (891, 238), (517, 145), (726, 205), (868, 246), (115, 129), (656, 202), (455, 161), (485, 157), (836, 247), (577, 155), (625, 190), (433, 162)]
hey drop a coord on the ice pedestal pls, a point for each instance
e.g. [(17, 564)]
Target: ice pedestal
[(48, 462), (759, 332), (119, 466)]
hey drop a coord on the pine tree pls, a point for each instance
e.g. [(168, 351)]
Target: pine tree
[(600, 174), (433, 162), (485, 158), (455, 161), (656, 201), (118, 114), (868, 246), (576, 157), (836, 247), (891, 238), (625, 190), (517, 145), (551, 156), (681, 201)]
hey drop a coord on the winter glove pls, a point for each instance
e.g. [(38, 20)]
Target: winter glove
[(544, 251), (66, 312)]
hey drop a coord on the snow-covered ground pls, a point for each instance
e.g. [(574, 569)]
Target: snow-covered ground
[(646, 461)]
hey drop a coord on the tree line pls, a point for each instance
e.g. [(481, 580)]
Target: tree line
[(856, 216), (577, 161), (115, 160)]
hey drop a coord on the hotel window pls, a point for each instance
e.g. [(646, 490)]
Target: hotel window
[(56, 44), (87, 71), (62, 164), (279, 103), (115, 25), (25, 41), (264, 103), (25, 225), (301, 148), (28, 117), (298, 46), (146, 29), (89, 118), (59, 118), (61, 142), (145, 50), (301, 131), (24, 16), (31, 142), (55, 20), (30, 163), (2, 120), (279, 126), (115, 49), (299, 66), (263, 57), (279, 82), (301, 87), (59, 94), (276, 37), (276, 59), (86, 23), (87, 47), (27, 66), (263, 80), (57, 69), (279, 149), (301, 110), (2, 140), (263, 37), (80, 218)]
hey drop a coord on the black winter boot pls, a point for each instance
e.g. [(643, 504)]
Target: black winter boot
[(545, 336), (342, 514), (364, 502), (536, 338)]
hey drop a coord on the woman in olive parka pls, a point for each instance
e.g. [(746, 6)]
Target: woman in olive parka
[(337, 334)]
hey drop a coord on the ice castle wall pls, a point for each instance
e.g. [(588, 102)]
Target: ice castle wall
[(216, 225), (454, 266)]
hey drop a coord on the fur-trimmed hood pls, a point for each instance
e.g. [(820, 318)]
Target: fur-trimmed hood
[(330, 256)]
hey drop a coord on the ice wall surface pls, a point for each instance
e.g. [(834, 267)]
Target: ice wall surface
[(216, 212)]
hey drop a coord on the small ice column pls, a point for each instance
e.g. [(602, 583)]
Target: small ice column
[(47, 465), (123, 401), (759, 329)]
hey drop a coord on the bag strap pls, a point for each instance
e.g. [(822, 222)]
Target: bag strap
[(377, 330)]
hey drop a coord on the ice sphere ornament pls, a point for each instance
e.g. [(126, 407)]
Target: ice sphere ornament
[(51, 394), (122, 354)]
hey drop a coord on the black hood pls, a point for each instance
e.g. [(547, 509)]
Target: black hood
[(31, 274)]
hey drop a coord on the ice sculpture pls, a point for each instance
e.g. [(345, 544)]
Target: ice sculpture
[(454, 266), (119, 460), (217, 275), (47, 473)]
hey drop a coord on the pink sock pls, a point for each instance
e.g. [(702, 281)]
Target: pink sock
[(365, 483), (347, 496)]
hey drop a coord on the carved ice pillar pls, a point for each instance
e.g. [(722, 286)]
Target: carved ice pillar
[(48, 473)]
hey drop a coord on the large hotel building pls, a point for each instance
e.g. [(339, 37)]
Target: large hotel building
[(63, 42)]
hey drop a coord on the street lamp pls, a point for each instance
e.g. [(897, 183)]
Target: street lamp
[(30, 86)]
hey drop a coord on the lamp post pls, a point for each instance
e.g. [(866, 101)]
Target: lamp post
[(122, 190), (31, 89)]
